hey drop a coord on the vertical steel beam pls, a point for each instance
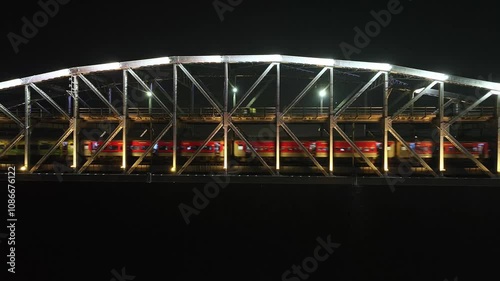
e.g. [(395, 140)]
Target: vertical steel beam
[(174, 120), (498, 134), (226, 115), (124, 120), (441, 127), (76, 121), (331, 147), (277, 148), (385, 145), (27, 125)]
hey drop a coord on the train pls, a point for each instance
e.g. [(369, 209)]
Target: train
[(214, 150)]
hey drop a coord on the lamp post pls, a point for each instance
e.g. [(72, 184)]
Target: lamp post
[(235, 90), (150, 95)]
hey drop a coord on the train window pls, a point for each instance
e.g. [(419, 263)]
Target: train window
[(95, 145), (312, 147), (155, 147), (144, 147), (412, 145), (112, 147)]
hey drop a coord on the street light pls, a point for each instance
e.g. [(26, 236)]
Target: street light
[(322, 94), (150, 95), (235, 90)]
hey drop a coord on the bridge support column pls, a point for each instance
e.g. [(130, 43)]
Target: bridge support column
[(76, 123), (124, 120), (386, 120), (278, 118), (331, 131), (498, 134), (442, 127), (174, 122), (27, 125), (226, 116)]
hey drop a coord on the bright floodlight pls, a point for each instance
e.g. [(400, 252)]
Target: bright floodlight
[(150, 94), (235, 90), (11, 83), (23, 168), (322, 93)]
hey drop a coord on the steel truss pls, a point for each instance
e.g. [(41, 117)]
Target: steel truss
[(381, 77)]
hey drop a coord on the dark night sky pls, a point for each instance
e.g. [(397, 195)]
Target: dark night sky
[(451, 38), (73, 231)]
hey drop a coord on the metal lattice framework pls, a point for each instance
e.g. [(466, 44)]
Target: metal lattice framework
[(373, 76)]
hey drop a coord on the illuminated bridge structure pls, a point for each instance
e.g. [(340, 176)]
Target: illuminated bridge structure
[(249, 98)]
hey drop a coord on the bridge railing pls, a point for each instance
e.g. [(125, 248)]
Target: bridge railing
[(259, 112)]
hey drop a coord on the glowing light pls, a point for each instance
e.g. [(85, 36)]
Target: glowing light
[(322, 93), (274, 58), (163, 60), (11, 83), (23, 168), (107, 66), (235, 90), (149, 94), (59, 73), (383, 66), (322, 62), (172, 169), (437, 76)]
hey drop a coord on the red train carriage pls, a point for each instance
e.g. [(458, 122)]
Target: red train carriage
[(423, 148), (290, 149), (162, 148), (212, 149), (343, 149), (264, 148), (480, 150), (114, 148)]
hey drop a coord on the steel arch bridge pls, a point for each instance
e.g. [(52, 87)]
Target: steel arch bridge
[(251, 114)]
